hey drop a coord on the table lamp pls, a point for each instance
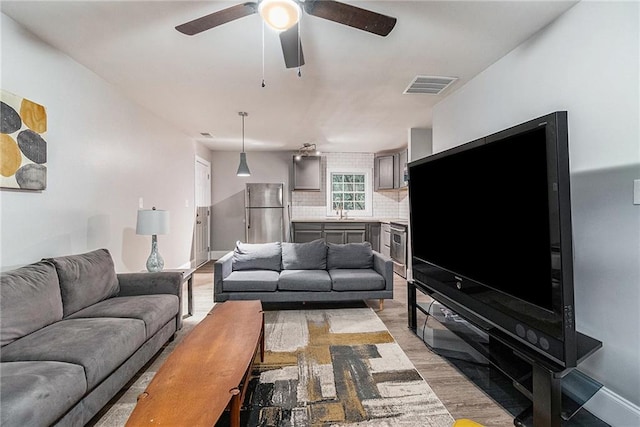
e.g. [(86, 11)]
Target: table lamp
[(153, 222)]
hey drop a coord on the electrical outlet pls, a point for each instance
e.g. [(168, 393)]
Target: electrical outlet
[(636, 192), (186, 203), (140, 203)]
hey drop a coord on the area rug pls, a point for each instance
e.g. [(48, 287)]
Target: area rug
[(336, 367)]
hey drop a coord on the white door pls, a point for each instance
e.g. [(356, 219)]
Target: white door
[(203, 210)]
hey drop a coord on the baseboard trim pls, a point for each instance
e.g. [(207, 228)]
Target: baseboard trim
[(217, 254), (613, 409)]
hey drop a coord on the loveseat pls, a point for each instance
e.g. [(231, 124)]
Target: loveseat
[(303, 272), (73, 333)]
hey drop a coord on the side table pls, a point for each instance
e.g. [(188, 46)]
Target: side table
[(187, 276)]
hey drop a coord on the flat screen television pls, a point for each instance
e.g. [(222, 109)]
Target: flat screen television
[(490, 224)]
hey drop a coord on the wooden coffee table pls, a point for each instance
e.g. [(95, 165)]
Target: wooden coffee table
[(207, 372)]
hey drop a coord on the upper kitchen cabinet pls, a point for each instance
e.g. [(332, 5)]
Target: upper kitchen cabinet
[(403, 175), (390, 171), (307, 173), (385, 172)]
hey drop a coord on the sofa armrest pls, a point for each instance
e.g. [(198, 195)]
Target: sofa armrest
[(221, 269), (163, 282), (384, 266)]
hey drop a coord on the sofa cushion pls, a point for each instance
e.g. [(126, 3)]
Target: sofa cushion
[(349, 255), (29, 300), (357, 279), (304, 280), (100, 345), (304, 256), (251, 281), (154, 310), (257, 256), (38, 393), (85, 279)]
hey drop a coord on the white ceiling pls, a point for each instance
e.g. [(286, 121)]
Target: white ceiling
[(349, 98)]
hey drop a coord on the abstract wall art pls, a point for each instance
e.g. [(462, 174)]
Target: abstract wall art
[(23, 148)]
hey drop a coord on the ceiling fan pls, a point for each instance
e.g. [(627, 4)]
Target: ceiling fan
[(283, 16)]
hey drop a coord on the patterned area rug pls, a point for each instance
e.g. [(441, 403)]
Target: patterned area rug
[(336, 367)]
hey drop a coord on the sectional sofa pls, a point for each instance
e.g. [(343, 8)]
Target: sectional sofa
[(303, 272), (73, 333)]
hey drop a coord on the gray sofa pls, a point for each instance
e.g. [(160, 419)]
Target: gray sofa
[(303, 272), (73, 333)]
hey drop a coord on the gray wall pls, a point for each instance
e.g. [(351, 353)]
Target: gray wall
[(586, 62), (227, 223)]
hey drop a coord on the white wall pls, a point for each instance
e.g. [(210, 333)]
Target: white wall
[(587, 63), (104, 153)]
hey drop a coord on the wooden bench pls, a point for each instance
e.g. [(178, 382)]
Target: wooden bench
[(207, 372)]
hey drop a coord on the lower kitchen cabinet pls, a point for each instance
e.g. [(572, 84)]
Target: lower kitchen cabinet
[(333, 232), (304, 232)]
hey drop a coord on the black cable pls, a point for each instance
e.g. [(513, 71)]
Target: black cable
[(427, 315)]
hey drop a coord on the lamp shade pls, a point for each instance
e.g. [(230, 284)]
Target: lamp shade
[(152, 221), (243, 168)]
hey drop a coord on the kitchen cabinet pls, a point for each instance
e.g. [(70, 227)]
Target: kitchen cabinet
[(335, 232), (304, 232), (385, 240), (390, 171), (403, 169), (373, 235), (307, 173), (385, 171), (344, 232)]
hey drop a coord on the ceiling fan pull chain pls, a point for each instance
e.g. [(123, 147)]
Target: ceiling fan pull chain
[(263, 83)]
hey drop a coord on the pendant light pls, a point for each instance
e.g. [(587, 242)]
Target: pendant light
[(243, 168)]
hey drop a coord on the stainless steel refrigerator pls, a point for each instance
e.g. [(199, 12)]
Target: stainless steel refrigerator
[(264, 213)]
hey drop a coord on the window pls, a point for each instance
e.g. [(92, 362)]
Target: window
[(349, 191)]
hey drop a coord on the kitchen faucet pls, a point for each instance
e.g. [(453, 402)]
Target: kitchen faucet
[(343, 214)]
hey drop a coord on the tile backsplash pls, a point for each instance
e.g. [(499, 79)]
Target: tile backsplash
[(312, 204)]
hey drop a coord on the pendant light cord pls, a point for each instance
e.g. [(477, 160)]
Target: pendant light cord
[(263, 83), (299, 25)]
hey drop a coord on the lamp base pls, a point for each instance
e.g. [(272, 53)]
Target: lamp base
[(155, 262)]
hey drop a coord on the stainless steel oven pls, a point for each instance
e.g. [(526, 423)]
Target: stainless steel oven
[(398, 250)]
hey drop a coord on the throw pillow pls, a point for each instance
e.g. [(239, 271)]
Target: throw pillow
[(304, 256), (349, 255), (29, 300), (85, 279), (257, 256)]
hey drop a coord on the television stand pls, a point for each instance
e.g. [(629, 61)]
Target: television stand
[(549, 396)]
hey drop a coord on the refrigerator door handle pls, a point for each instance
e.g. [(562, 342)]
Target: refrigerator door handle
[(248, 218)]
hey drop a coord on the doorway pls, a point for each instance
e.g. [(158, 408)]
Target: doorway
[(203, 210)]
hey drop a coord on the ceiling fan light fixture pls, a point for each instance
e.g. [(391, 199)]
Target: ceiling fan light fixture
[(279, 14)]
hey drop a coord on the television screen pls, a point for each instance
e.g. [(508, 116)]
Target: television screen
[(486, 220)]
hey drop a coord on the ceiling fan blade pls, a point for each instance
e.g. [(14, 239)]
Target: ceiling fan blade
[(292, 47), (352, 16), (217, 18)]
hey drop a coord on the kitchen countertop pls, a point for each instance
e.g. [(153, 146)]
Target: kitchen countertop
[(349, 219)]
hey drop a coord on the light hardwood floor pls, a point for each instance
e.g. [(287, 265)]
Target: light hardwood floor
[(461, 397)]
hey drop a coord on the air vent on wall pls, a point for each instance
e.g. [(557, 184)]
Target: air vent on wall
[(430, 85)]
